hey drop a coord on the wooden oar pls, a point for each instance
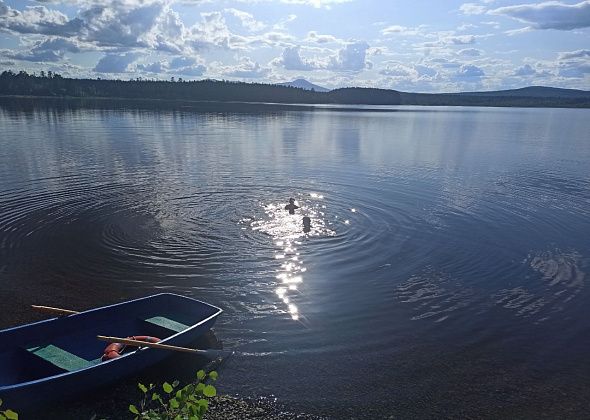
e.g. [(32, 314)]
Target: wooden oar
[(53, 311), (138, 343)]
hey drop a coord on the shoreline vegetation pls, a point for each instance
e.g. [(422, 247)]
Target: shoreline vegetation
[(203, 92)]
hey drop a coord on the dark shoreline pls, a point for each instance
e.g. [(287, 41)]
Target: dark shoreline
[(31, 102)]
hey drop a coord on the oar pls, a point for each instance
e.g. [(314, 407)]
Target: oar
[(54, 311), (138, 343)]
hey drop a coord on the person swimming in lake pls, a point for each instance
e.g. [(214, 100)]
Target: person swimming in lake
[(306, 224), (291, 206)]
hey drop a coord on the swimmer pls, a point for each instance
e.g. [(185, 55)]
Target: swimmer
[(291, 206), (306, 224)]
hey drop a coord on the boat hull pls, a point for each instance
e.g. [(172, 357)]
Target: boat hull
[(41, 381)]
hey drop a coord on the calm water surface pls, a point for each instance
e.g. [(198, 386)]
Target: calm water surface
[(444, 274)]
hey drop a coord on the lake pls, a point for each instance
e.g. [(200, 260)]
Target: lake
[(444, 272)]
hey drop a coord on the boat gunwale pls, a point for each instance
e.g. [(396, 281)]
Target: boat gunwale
[(123, 356)]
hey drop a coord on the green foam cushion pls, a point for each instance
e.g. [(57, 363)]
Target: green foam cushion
[(60, 358), (168, 323)]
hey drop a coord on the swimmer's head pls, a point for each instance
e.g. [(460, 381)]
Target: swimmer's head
[(291, 200)]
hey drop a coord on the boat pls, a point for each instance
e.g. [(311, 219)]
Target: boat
[(62, 357)]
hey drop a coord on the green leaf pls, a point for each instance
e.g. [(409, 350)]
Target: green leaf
[(167, 388), (2, 417), (175, 383), (209, 391), (192, 409), (203, 403), (155, 397), (174, 403), (133, 409), (200, 387), (142, 387), (201, 375), (213, 375), (11, 415)]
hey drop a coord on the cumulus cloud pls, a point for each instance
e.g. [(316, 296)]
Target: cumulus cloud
[(247, 69), (470, 52), (550, 14), (350, 58), (327, 4), (525, 70), (247, 19), (574, 54), (469, 72), (52, 49), (115, 63), (313, 36), (211, 31), (178, 66), (353, 57), (472, 9), (37, 20), (450, 40), (397, 70), (574, 70), (291, 60), (574, 64), (155, 68)]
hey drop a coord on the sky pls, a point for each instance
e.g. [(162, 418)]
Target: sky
[(408, 45)]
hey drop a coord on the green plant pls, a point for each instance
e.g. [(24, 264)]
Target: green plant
[(7, 414), (189, 402)]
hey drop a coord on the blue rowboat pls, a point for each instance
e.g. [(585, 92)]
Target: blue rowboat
[(61, 357)]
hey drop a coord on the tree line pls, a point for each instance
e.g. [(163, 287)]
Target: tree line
[(53, 84), (50, 84)]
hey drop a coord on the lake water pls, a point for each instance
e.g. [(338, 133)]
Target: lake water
[(444, 273)]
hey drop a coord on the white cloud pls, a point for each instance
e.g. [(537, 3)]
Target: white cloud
[(574, 54), (470, 52), (115, 63), (247, 20), (247, 69), (37, 20), (400, 30), (353, 57), (52, 49), (179, 66), (313, 36), (472, 9), (469, 72), (550, 14), (291, 60), (397, 70), (525, 70), (316, 3)]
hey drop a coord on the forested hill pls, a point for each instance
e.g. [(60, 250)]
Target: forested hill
[(54, 85)]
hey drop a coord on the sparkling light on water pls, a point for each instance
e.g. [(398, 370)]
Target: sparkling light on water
[(286, 231)]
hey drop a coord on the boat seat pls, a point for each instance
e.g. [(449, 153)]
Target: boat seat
[(61, 358), (167, 323)]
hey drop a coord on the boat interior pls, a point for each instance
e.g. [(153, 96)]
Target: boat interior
[(66, 344)]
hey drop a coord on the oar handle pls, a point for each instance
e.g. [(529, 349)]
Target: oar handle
[(53, 311), (138, 343)]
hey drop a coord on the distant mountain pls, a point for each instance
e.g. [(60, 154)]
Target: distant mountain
[(304, 84), (533, 92)]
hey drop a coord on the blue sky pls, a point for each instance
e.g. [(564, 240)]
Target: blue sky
[(410, 45)]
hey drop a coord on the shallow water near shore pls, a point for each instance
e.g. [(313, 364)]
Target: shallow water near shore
[(444, 272)]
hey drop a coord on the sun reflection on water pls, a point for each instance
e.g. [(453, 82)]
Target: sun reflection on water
[(288, 232)]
